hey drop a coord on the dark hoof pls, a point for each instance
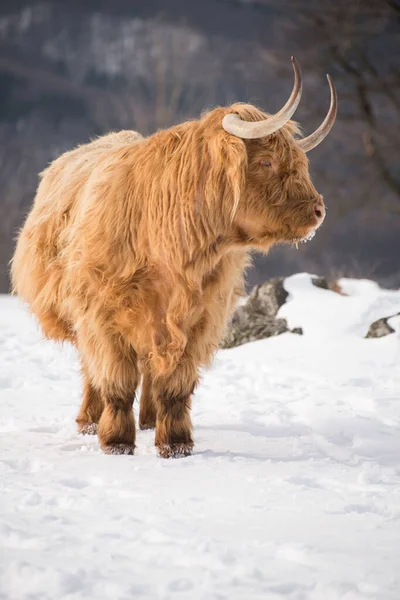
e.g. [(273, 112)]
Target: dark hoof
[(118, 449), (149, 425), (87, 428), (175, 450)]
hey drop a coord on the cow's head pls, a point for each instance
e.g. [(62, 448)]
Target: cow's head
[(266, 167)]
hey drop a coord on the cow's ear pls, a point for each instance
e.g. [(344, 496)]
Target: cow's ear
[(228, 165)]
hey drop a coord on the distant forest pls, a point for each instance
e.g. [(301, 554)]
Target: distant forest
[(72, 70)]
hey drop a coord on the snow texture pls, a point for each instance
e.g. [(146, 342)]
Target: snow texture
[(293, 490)]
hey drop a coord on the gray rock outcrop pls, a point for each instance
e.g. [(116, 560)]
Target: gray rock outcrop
[(257, 319), (380, 328)]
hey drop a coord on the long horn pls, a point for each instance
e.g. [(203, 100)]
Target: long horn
[(233, 124), (319, 134)]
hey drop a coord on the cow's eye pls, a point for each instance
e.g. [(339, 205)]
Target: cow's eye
[(265, 163)]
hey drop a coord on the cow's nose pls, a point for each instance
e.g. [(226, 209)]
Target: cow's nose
[(319, 209)]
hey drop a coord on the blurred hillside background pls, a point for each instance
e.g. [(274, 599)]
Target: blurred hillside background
[(74, 69)]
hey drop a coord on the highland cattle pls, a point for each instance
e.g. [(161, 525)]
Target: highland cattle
[(135, 252)]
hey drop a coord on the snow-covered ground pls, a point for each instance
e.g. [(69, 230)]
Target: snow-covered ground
[(293, 490)]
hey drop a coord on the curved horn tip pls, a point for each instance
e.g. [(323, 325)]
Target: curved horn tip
[(295, 61), (297, 71), (333, 89), (330, 81)]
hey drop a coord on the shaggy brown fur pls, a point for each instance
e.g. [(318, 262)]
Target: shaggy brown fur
[(135, 251)]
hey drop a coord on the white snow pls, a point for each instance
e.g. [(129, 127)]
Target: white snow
[(293, 490)]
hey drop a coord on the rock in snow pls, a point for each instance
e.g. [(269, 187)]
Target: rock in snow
[(257, 319), (293, 490), (381, 327)]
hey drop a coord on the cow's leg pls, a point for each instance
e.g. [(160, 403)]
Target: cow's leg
[(116, 429), (91, 407), (173, 401), (117, 424), (148, 413), (112, 366)]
